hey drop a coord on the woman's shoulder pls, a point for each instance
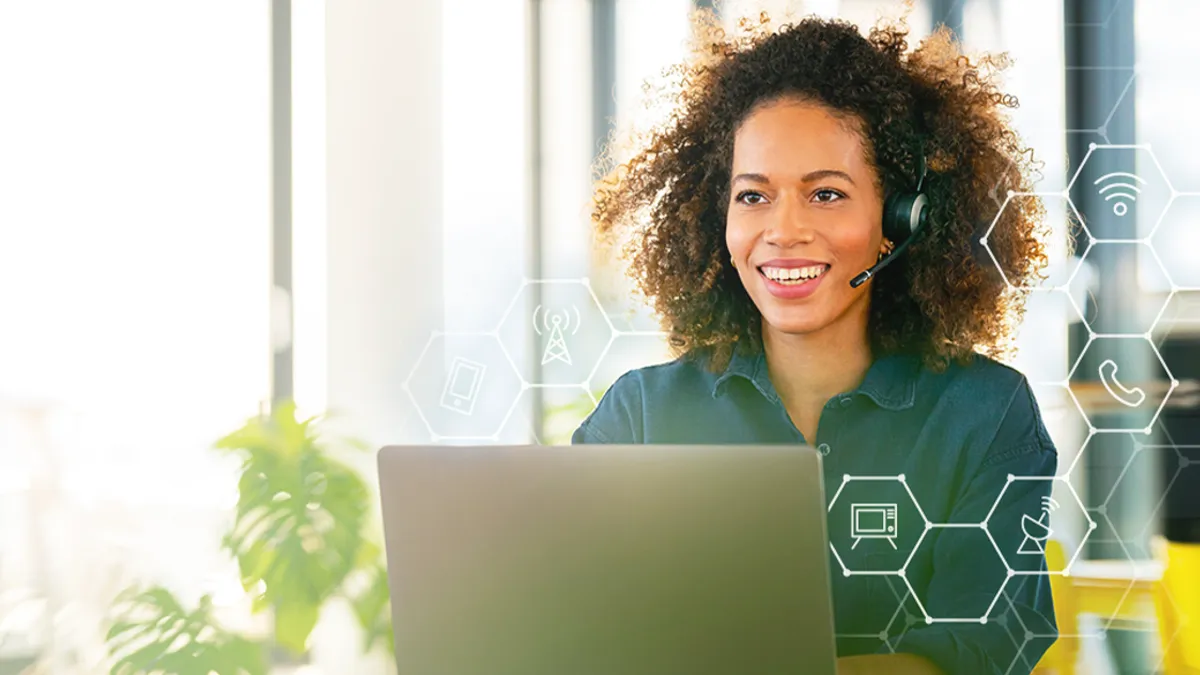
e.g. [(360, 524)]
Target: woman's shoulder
[(1003, 396), (620, 414), (688, 370), (982, 375)]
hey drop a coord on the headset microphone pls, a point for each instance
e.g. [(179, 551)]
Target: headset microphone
[(904, 215)]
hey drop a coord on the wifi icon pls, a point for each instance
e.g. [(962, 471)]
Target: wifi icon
[(1126, 193)]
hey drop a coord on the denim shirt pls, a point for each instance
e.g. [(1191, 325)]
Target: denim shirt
[(955, 436)]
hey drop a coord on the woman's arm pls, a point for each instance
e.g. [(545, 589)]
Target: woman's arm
[(618, 416), (887, 664), (969, 568)]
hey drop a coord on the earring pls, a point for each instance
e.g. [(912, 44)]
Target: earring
[(732, 262), (888, 247)]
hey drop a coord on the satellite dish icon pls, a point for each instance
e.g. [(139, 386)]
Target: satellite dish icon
[(1037, 531)]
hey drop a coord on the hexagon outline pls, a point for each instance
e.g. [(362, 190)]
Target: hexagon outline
[(1066, 571), (1092, 147), (882, 635), (1162, 404), (1079, 406), (1016, 616), (435, 436), (1175, 287), (1029, 635), (1102, 130), (929, 619), (1158, 223), (1179, 625), (1091, 240), (1079, 313), (1137, 450), (1157, 261), (899, 478), (582, 281), (1145, 533), (612, 337), (1082, 446), (1108, 620), (1072, 403)]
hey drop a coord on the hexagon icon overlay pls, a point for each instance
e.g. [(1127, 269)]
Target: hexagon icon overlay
[(1145, 271), (862, 633), (1063, 268), (463, 386), (1176, 239), (1122, 189), (875, 524), (1020, 537), (987, 568), (571, 328), (1124, 385)]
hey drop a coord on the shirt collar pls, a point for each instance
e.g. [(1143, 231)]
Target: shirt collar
[(891, 381)]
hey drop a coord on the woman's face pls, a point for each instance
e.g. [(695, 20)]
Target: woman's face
[(804, 216)]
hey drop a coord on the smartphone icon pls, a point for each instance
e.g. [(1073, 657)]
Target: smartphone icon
[(462, 385), (1129, 396)]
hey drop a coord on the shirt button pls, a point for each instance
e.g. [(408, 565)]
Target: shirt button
[(823, 449), (844, 401)]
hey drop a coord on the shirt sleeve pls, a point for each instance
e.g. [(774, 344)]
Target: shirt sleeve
[(1020, 624), (617, 418)]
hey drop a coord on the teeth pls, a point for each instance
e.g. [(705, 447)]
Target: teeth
[(790, 274)]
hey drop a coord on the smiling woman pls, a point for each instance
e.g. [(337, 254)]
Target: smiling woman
[(852, 116), (793, 164), (789, 200)]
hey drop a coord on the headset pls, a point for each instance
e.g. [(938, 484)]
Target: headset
[(904, 215)]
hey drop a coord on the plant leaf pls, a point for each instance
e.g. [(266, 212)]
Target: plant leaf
[(151, 633), (294, 621)]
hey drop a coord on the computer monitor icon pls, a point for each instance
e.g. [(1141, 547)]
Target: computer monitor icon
[(873, 521)]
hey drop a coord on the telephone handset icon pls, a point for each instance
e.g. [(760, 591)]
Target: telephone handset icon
[(1128, 396)]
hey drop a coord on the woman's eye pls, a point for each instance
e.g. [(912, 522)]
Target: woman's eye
[(829, 192), (748, 193)]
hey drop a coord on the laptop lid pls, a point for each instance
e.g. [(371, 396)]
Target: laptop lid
[(603, 559)]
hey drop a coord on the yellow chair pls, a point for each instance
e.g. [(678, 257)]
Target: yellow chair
[(1062, 656), (1179, 614)]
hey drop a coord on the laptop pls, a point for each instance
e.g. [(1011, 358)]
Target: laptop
[(607, 560)]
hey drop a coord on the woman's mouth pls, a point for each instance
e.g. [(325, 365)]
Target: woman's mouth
[(793, 281)]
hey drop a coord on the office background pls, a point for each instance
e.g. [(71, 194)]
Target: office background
[(379, 209)]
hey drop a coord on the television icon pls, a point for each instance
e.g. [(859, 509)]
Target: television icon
[(873, 521)]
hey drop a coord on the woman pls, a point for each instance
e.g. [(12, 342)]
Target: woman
[(749, 214)]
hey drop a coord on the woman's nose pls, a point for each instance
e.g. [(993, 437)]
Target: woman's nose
[(788, 226)]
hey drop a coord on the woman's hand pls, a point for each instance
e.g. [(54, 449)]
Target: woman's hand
[(887, 664)]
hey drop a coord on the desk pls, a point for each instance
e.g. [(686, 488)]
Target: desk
[(1100, 588)]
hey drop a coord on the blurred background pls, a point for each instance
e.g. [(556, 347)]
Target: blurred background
[(378, 210)]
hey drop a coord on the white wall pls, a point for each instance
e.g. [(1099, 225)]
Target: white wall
[(384, 210)]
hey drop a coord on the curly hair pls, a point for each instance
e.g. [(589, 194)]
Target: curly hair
[(945, 299)]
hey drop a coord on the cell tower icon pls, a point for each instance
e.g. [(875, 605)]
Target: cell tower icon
[(556, 324)]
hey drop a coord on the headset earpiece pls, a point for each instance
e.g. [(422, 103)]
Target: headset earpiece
[(904, 215), (904, 212)]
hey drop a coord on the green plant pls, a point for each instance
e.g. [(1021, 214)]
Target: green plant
[(302, 534), (372, 606), (301, 525), (153, 633)]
